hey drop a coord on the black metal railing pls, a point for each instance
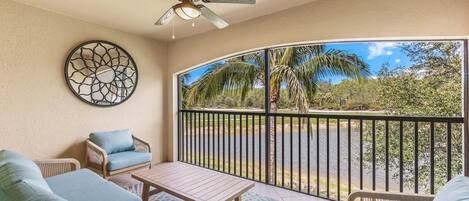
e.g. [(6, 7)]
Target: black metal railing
[(325, 155)]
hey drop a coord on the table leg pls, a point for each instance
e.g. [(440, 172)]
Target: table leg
[(238, 198), (145, 192)]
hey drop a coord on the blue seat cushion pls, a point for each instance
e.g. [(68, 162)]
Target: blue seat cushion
[(127, 159), (457, 189), (85, 185), (113, 141)]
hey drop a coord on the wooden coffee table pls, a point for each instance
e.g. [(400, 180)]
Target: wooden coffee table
[(190, 182)]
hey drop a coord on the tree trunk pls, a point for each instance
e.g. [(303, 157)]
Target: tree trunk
[(273, 101)]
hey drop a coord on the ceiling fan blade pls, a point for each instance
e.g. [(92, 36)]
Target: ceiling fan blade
[(168, 16), (212, 17), (231, 1)]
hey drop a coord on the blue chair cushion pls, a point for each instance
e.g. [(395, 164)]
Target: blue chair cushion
[(457, 189), (85, 185), (127, 159), (113, 141)]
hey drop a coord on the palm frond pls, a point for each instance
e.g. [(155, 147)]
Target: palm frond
[(233, 76), (285, 74), (336, 62)]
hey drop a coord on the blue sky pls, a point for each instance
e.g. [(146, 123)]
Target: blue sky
[(374, 53)]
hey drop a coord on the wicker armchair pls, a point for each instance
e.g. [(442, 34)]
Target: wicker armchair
[(96, 158), (385, 196), (54, 167)]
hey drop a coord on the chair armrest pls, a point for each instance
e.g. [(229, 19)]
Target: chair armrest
[(54, 167), (141, 145), (95, 154), (360, 195)]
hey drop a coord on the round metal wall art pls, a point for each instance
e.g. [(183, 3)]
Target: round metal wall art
[(101, 73)]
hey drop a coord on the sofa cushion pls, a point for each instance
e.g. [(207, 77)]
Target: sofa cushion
[(27, 191), (85, 185), (127, 159), (15, 168), (457, 189), (12, 173), (113, 141), (7, 156)]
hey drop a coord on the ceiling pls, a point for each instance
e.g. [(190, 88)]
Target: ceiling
[(138, 17)]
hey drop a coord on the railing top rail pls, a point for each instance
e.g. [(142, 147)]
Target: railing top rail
[(339, 116)]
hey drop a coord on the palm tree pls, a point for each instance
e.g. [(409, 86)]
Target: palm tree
[(296, 69)]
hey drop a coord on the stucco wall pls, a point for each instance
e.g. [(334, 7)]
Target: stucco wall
[(324, 20), (39, 116)]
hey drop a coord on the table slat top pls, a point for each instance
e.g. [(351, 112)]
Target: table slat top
[(190, 182)]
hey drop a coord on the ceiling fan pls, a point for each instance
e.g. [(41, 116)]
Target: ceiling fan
[(188, 10)]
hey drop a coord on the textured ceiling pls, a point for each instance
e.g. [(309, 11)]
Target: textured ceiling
[(139, 16)]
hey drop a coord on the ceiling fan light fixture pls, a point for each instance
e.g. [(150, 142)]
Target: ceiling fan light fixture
[(187, 11)]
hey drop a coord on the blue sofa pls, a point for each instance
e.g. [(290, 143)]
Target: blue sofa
[(21, 179)]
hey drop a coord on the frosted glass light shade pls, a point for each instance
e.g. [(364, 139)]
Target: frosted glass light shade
[(187, 12)]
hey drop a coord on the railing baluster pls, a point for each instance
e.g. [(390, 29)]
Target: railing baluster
[(204, 154), (206, 141), (448, 152), (213, 141), (229, 143), (223, 136), (401, 156), (247, 146), (317, 158), (199, 138), (260, 148), (179, 138), (432, 158), (218, 140), (283, 151), (361, 154), (275, 150), (291, 152), (211, 137), (192, 137), (416, 157), (349, 156), (327, 157), (240, 145), (386, 153), (299, 154), (183, 129), (373, 144), (234, 144), (338, 159), (308, 153), (253, 133)]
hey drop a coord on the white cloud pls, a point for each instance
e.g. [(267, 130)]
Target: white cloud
[(379, 49), (397, 61)]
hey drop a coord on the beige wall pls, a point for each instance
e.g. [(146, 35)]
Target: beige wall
[(319, 21), (39, 115)]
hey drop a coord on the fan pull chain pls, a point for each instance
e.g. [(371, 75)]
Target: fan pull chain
[(173, 36)]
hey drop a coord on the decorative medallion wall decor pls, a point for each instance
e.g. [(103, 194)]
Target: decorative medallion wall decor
[(101, 73)]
